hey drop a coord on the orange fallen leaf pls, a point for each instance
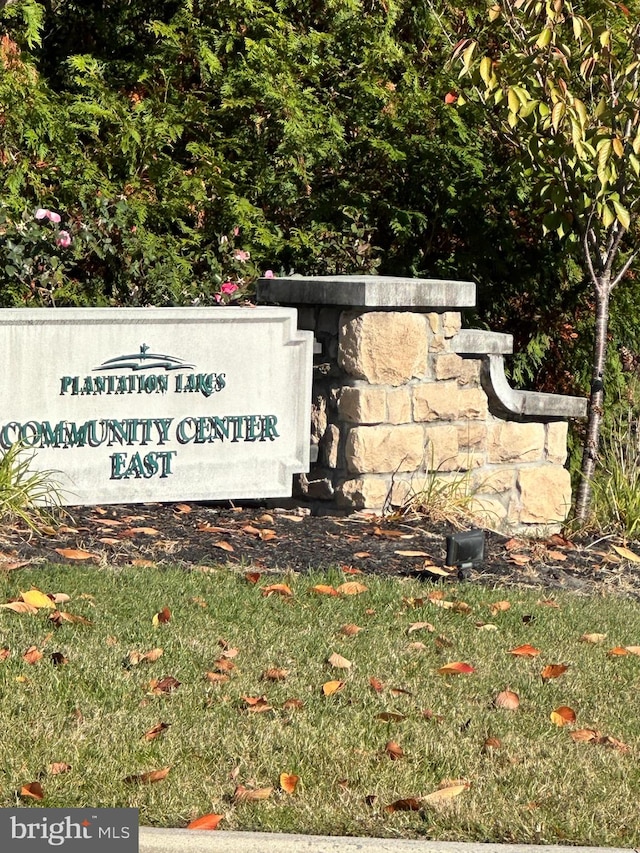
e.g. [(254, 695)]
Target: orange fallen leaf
[(492, 743), (139, 531), (76, 554), (394, 750), (553, 670), (288, 782), (563, 715), (456, 668), (351, 588), (149, 777), (267, 535), (350, 630), (525, 651), (32, 790), (443, 795), (323, 589), (331, 687), (32, 655), (508, 700), (499, 607), (618, 650), (277, 589), (376, 684), (349, 570), (389, 534), (257, 704), (151, 656), (217, 677), (633, 650), (585, 735), (245, 795), (224, 546), (4, 652), (207, 821), (362, 555), (252, 577)]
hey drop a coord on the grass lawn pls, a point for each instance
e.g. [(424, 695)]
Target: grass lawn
[(236, 699)]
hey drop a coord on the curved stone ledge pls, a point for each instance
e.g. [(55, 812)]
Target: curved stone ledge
[(521, 405), (480, 342)]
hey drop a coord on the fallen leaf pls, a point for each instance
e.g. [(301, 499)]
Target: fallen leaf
[(257, 704), (350, 630), (519, 559), (277, 589), (224, 546), (349, 570), (58, 659), (394, 750), (390, 717), (139, 531), (19, 607), (508, 700), (164, 685), (58, 767), (4, 652), (267, 535), (141, 563), (407, 804), (390, 534), (525, 651), (557, 555), (553, 670), (416, 647), (224, 665), (440, 572), (633, 650), (486, 626), (156, 730), (499, 607), (331, 687), (323, 589), (362, 555), (592, 638), (585, 735), (136, 658), (617, 651), (456, 668), (207, 821), (162, 617), (32, 790), (293, 705), (419, 626), (217, 677), (563, 715), (548, 602), (351, 588), (76, 554), (275, 674), (399, 691), (11, 565), (149, 777), (58, 617), (492, 743), (38, 599), (252, 577), (338, 661), (32, 655), (626, 554), (288, 782), (411, 553), (376, 684), (443, 795), (182, 509), (245, 795)]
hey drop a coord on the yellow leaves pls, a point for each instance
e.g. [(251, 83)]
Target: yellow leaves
[(593, 638), (37, 599), (444, 795), (331, 687), (544, 39), (626, 553)]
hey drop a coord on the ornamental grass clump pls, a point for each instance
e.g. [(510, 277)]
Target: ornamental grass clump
[(25, 494)]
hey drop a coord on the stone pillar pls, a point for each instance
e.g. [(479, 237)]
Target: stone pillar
[(405, 401)]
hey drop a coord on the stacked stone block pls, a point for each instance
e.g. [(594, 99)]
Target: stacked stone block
[(396, 406)]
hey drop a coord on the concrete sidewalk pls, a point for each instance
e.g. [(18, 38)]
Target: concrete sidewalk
[(205, 841)]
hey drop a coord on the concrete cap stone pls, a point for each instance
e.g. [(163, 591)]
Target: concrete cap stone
[(368, 291)]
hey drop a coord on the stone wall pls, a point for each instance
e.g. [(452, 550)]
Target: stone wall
[(401, 407)]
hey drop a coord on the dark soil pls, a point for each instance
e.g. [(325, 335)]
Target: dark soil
[(263, 539)]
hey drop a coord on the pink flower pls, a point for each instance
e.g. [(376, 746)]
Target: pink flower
[(268, 274), (42, 213), (229, 287), (217, 297), (63, 239), (53, 217), (241, 255), (236, 231)]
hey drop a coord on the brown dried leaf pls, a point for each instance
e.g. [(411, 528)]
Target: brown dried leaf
[(338, 661), (139, 531), (164, 685), (585, 735), (155, 731), (411, 553), (58, 617), (182, 509), (224, 546), (76, 554), (626, 554), (350, 630), (444, 795), (351, 588), (553, 670), (293, 704), (32, 655), (58, 767), (394, 750), (419, 626), (390, 717), (19, 607), (390, 534), (257, 704), (252, 577), (245, 795), (508, 700), (162, 617), (275, 674), (32, 790), (277, 589), (149, 777), (217, 677), (499, 607), (376, 684), (407, 804)]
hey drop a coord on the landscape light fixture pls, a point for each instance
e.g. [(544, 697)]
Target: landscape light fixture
[(465, 550)]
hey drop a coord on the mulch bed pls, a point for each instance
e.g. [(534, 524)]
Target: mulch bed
[(255, 538)]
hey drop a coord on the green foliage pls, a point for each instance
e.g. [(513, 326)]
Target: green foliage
[(25, 494)]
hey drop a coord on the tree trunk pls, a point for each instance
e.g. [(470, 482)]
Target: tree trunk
[(596, 400)]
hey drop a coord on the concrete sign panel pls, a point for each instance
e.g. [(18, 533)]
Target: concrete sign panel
[(158, 404)]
